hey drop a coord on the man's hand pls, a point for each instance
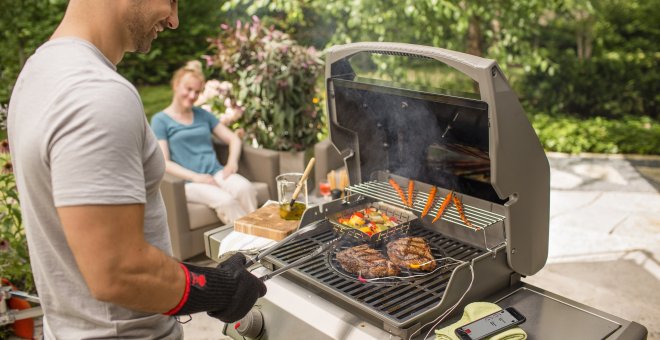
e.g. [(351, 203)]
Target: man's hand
[(227, 292), (249, 289)]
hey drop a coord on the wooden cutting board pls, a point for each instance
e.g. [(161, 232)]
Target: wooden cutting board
[(266, 222)]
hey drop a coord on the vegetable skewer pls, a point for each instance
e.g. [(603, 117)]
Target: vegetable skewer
[(429, 201), (444, 206)]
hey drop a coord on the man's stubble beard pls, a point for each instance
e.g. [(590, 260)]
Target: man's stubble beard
[(141, 32)]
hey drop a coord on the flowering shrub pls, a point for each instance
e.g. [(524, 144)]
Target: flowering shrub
[(275, 80), (217, 98)]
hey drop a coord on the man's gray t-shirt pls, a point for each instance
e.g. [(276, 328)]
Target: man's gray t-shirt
[(78, 136)]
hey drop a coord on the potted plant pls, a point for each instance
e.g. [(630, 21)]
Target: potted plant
[(274, 81)]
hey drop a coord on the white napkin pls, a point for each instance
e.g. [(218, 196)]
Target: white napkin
[(237, 241)]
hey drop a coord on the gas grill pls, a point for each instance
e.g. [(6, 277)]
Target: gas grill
[(480, 147)]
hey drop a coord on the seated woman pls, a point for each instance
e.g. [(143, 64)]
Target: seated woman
[(185, 133)]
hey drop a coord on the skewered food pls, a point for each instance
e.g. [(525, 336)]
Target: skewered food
[(411, 252), (369, 220), (411, 191), (444, 206), (366, 262), (429, 201)]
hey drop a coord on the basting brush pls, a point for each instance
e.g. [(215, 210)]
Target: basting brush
[(310, 165)]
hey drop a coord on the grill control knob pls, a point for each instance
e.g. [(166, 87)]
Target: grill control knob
[(251, 325)]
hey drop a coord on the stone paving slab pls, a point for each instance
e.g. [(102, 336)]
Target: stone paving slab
[(605, 235)]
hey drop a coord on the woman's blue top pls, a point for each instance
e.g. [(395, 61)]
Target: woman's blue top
[(190, 146)]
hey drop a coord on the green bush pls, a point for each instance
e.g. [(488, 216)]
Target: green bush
[(275, 80), (601, 58), (630, 134), (24, 25), (615, 85)]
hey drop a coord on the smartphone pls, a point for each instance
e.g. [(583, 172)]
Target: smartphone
[(490, 324)]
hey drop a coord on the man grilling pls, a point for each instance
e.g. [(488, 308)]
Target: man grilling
[(88, 170)]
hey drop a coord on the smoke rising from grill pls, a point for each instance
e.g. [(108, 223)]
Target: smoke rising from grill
[(423, 136)]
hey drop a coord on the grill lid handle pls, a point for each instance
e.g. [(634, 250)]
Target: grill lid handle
[(477, 68)]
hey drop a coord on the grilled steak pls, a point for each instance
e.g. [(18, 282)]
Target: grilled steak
[(365, 261), (408, 251)]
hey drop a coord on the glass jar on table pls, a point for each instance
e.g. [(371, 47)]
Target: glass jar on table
[(286, 187)]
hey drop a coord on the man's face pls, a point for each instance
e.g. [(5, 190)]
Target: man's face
[(147, 18)]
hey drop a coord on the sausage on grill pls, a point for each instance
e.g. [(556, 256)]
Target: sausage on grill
[(367, 262)]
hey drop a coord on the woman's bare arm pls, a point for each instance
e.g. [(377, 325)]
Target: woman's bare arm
[(229, 137)]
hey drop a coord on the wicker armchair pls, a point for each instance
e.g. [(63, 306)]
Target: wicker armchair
[(188, 221)]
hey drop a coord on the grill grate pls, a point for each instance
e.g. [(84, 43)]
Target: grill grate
[(383, 191), (395, 302)]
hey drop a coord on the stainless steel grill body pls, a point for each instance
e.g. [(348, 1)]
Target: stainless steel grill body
[(484, 149), (384, 127)]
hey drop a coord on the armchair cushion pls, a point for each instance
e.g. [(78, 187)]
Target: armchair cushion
[(201, 216), (263, 192), (187, 238), (260, 165)]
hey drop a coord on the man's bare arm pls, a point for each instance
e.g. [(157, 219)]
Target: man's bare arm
[(118, 265)]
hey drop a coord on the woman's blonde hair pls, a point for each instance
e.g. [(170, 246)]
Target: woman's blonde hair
[(193, 67)]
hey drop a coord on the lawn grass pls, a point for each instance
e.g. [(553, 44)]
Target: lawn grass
[(155, 98)]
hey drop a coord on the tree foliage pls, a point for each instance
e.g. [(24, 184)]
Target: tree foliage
[(24, 25), (605, 59), (499, 29), (578, 57)]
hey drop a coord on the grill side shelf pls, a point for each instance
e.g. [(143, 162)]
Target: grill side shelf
[(383, 191)]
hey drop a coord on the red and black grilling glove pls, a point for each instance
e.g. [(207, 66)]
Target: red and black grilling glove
[(226, 292)]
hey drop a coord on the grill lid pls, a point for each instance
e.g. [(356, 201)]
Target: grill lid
[(481, 145)]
